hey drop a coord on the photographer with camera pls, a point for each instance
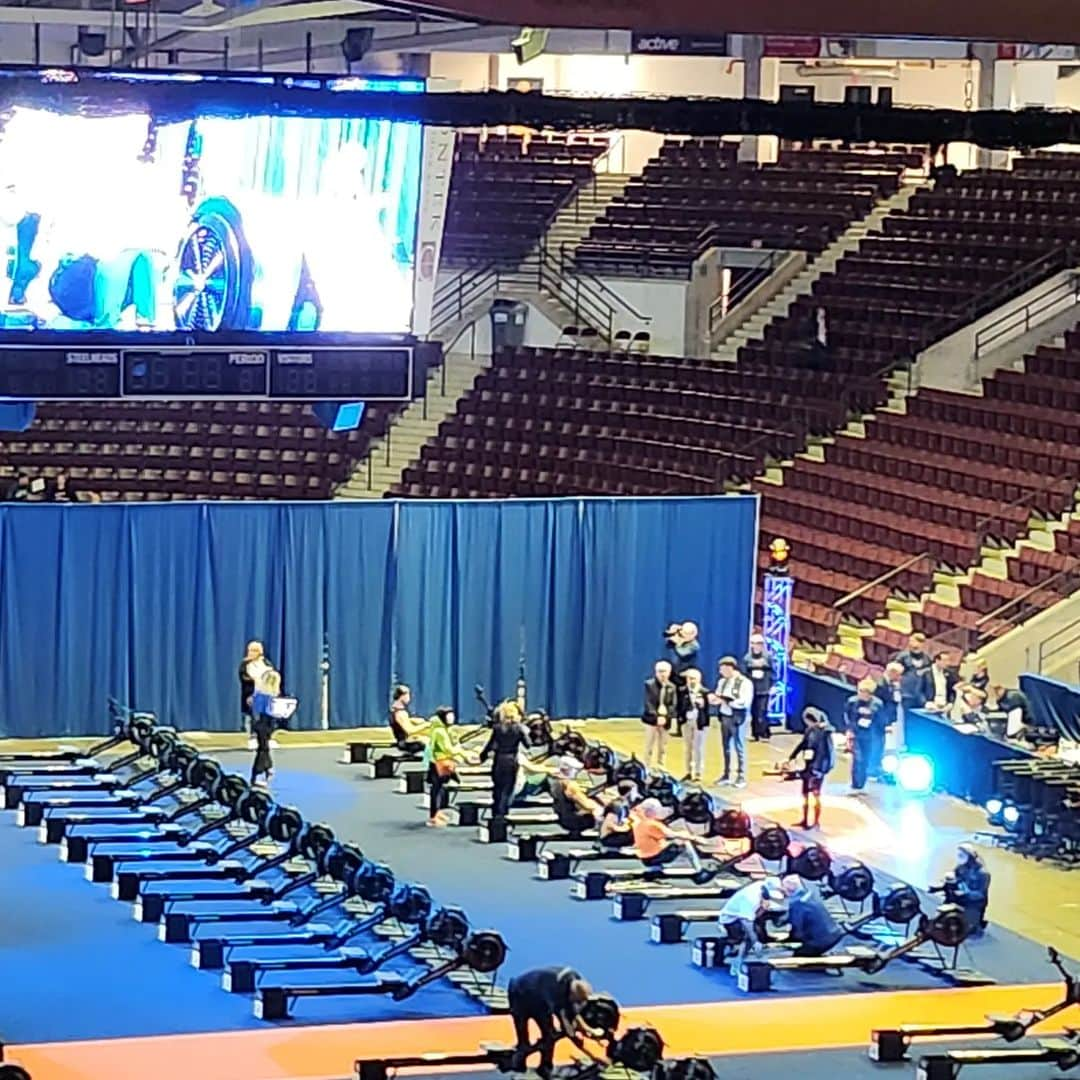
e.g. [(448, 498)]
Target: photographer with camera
[(968, 886)]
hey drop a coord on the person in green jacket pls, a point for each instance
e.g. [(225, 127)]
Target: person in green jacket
[(441, 757)]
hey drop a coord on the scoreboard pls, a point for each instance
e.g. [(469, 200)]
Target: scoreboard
[(292, 373)]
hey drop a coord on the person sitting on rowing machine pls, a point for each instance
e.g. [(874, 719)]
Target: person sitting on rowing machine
[(969, 887), (616, 824), (546, 997), (812, 927), (658, 845), (406, 729), (575, 811)]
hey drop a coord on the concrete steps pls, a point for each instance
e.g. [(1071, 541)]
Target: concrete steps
[(572, 223), (390, 455), (753, 328)]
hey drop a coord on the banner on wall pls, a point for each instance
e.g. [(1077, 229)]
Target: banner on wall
[(1036, 52), (672, 44), (438, 162), (807, 48)]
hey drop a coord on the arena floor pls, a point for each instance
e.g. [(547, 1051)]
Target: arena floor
[(67, 1020)]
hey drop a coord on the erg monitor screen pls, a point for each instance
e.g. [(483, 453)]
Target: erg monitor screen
[(141, 213)]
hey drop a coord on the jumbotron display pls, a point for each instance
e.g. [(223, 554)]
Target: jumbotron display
[(141, 213)]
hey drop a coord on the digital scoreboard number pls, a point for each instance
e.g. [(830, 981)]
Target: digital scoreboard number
[(321, 373)]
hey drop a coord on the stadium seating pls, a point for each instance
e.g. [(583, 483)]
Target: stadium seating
[(191, 450), (505, 189), (694, 195)]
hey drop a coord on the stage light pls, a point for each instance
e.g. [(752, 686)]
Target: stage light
[(1011, 816), (994, 809), (779, 553), (890, 762), (915, 774)]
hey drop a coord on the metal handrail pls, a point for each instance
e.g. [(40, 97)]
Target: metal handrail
[(982, 525), (880, 579), (1001, 326), (568, 267), (756, 274)]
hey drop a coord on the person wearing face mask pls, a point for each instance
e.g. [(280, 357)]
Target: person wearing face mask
[(758, 667), (659, 712), (694, 721)]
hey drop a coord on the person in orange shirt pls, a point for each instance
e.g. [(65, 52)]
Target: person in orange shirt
[(658, 845)]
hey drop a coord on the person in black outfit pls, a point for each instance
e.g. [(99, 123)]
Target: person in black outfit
[(508, 736), (616, 830), (682, 640), (402, 726), (969, 887), (575, 811), (817, 745), (758, 666), (915, 661), (262, 725), (546, 997)]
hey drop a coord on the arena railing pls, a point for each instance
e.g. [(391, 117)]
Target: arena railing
[(1024, 319), (1013, 613)]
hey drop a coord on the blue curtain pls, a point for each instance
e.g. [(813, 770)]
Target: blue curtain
[(154, 604)]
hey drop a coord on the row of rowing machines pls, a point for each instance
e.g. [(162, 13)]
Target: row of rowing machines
[(891, 919), (278, 904), (638, 1051)]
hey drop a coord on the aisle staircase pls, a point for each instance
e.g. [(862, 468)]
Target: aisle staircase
[(572, 223), (389, 455), (754, 326)]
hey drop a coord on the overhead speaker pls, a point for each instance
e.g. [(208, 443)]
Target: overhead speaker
[(91, 42), (357, 43), (529, 44)]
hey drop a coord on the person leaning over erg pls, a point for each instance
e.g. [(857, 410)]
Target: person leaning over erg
[(546, 997)]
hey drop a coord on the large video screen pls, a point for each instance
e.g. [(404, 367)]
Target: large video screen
[(137, 217)]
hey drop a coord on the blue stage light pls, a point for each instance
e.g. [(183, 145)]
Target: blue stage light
[(890, 762), (994, 807), (1011, 816), (915, 774)]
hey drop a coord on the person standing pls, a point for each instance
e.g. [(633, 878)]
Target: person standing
[(658, 714), (862, 713), (734, 697), (694, 721), (939, 683), (262, 725), (758, 666), (817, 747), (253, 668), (682, 640), (441, 756), (890, 692), (508, 736), (915, 661)]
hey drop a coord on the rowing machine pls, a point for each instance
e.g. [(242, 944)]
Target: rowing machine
[(633, 906), (947, 928), (121, 719), (482, 952), (1063, 1053), (891, 1044), (560, 865)]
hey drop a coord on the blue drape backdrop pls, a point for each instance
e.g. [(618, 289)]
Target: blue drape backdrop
[(154, 604)]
